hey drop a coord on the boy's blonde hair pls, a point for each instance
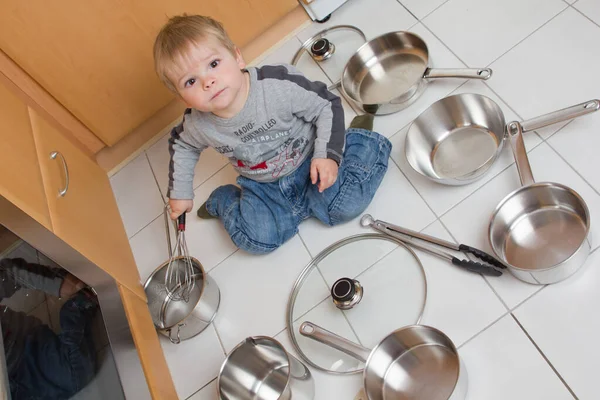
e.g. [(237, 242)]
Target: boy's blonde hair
[(178, 34)]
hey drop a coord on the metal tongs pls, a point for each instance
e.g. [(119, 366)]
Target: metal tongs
[(407, 237)]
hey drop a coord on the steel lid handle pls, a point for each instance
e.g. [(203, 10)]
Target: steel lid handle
[(324, 336)]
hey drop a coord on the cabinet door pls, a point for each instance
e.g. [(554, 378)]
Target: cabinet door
[(148, 346), (84, 213), (20, 176)]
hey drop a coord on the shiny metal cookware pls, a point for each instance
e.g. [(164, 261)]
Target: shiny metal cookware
[(416, 362), (173, 316), (389, 72), (458, 138), (259, 368), (541, 230)]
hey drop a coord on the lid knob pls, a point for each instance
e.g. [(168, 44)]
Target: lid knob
[(320, 47), (343, 289)]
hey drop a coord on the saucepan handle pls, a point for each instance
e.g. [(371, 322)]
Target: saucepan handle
[(324, 336), (469, 73), (515, 135), (561, 115)]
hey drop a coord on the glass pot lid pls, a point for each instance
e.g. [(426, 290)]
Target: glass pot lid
[(362, 287)]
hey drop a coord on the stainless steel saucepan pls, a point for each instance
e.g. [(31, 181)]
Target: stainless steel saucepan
[(541, 230), (389, 72), (259, 368), (458, 138), (416, 362)]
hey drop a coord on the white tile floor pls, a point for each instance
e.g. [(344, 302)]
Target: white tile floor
[(519, 341)]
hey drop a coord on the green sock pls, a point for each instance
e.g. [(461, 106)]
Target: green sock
[(364, 121), (203, 212)]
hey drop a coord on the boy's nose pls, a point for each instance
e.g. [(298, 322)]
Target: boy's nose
[(209, 82)]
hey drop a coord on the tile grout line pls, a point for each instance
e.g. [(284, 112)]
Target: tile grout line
[(573, 168), (544, 356), (482, 331), (528, 298), (162, 196), (219, 338), (528, 36), (446, 46), (580, 12), (197, 391)]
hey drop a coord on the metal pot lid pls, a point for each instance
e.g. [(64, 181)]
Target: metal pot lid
[(332, 47), (362, 287)]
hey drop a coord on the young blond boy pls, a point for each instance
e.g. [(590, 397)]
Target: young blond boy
[(282, 133)]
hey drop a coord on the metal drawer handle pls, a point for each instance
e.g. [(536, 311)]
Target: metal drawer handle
[(53, 155)]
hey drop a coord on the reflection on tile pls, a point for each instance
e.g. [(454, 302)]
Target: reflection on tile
[(503, 364)]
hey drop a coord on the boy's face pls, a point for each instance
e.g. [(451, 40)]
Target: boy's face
[(209, 78)]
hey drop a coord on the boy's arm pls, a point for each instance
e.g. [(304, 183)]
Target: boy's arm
[(312, 102), (16, 273), (185, 152)]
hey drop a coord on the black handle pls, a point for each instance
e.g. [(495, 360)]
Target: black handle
[(474, 266), (181, 222), (482, 255)]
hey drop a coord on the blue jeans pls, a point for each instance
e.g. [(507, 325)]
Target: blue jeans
[(260, 217), (57, 366)]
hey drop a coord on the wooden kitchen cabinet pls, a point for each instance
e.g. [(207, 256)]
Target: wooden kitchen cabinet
[(95, 57), (86, 216), (21, 181)]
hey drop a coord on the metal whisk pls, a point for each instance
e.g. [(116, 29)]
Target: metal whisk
[(179, 279)]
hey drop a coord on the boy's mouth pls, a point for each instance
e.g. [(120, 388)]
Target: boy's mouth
[(217, 94)]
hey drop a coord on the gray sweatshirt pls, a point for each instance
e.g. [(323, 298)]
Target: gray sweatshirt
[(285, 118)]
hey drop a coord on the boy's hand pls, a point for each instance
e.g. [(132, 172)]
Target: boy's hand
[(70, 286), (325, 170), (179, 207)]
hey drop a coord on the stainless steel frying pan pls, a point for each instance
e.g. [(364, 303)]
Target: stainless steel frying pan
[(415, 362), (458, 138), (389, 72), (541, 230)]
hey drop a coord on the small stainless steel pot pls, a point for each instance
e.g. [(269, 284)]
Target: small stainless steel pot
[(416, 362), (389, 73), (541, 230), (178, 319), (457, 139), (259, 368)]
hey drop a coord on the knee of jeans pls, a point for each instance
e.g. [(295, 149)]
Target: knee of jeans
[(248, 244)]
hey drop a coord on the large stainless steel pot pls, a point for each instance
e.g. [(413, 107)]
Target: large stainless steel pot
[(389, 72), (259, 368), (541, 230), (458, 138), (416, 362), (179, 319)]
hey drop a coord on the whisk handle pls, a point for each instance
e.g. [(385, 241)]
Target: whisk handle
[(181, 222)]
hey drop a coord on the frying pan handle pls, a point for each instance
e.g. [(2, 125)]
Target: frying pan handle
[(322, 335), (561, 115), (515, 135), (469, 73)]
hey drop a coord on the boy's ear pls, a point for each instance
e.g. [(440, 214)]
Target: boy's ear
[(239, 58)]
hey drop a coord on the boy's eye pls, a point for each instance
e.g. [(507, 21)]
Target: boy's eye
[(214, 63), (190, 82)]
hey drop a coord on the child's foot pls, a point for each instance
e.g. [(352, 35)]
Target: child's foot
[(203, 212), (364, 121)]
